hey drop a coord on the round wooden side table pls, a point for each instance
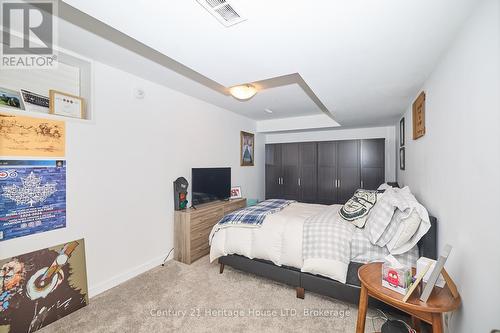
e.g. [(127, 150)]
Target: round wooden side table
[(440, 301)]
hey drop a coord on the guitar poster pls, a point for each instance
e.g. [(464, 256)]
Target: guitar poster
[(41, 287)]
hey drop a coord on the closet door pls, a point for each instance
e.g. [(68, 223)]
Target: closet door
[(348, 169), (372, 163), (290, 176), (273, 171), (308, 172), (327, 172)]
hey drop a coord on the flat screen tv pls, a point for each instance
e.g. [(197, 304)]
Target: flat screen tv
[(210, 184)]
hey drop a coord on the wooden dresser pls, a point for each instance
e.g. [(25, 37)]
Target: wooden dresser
[(192, 228)]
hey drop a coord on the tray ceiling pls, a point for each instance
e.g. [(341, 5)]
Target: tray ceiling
[(363, 60)]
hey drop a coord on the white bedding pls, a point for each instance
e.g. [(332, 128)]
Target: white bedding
[(279, 239)]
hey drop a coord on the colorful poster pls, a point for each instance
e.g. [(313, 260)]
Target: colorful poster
[(32, 197), (41, 287), (29, 136)]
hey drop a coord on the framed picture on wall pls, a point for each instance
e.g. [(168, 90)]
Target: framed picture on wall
[(64, 104), (402, 158), (247, 149), (10, 99), (418, 116), (402, 132)]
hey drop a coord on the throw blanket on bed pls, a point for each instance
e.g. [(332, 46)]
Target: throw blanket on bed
[(326, 244), (253, 216)]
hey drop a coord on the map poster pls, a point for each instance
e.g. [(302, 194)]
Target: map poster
[(32, 197), (29, 136)]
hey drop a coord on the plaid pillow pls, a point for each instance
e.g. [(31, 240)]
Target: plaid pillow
[(391, 229), (379, 228)]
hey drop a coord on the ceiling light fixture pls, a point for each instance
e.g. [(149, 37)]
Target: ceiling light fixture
[(268, 111), (243, 92)]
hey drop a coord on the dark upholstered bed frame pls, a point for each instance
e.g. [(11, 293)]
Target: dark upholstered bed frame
[(348, 291)]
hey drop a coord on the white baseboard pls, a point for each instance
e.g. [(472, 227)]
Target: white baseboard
[(120, 278)]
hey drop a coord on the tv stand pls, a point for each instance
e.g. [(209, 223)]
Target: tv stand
[(192, 227)]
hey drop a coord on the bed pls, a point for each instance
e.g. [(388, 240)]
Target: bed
[(278, 249)]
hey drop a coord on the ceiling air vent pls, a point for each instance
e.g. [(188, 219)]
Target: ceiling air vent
[(223, 11)]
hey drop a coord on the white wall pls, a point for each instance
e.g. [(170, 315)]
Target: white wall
[(347, 134), (302, 123), (454, 168), (121, 167)]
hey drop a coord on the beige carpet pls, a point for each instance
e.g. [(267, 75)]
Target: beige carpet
[(196, 298)]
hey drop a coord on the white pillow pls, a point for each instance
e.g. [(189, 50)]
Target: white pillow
[(384, 186), (423, 226), (406, 228), (391, 229), (381, 214), (387, 224)]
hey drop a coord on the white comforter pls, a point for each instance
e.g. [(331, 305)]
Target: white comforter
[(279, 239)]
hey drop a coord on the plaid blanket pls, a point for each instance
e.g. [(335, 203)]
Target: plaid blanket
[(253, 216), (326, 244)]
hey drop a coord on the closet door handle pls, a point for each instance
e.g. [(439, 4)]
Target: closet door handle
[(340, 183), (299, 181), (362, 186)]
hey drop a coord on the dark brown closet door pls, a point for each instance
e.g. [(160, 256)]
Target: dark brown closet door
[(372, 163), (327, 172), (290, 162), (273, 171), (348, 169), (308, 172)]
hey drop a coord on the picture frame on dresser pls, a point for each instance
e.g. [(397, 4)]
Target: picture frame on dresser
[(236, 192)]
